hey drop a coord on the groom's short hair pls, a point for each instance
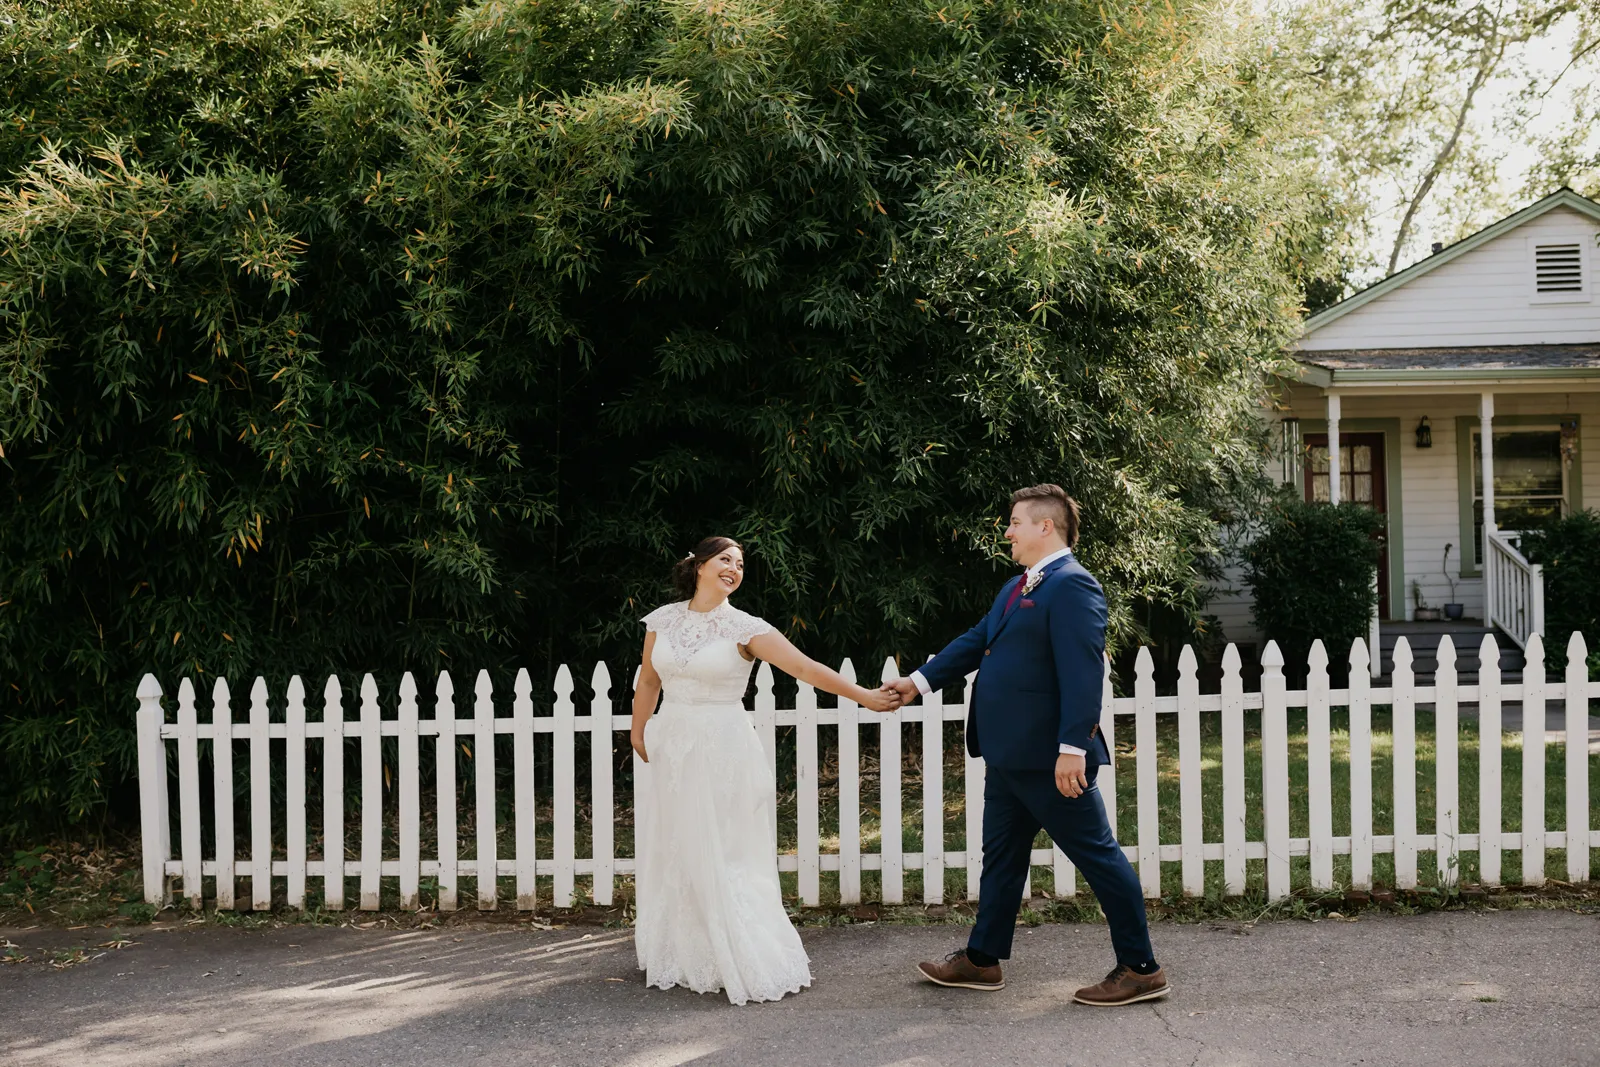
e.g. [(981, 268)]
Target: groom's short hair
[(1050, 501)]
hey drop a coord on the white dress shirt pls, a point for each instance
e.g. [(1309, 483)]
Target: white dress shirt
[(922, 683)]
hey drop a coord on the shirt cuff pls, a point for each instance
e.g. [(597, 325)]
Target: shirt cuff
[(921, 683), (1072, 750)]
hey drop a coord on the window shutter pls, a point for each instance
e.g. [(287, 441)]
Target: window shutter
[(1558, 268)]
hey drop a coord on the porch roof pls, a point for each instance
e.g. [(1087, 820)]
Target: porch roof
[(1431, 368)]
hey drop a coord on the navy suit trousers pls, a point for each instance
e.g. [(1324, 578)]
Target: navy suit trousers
[(1016, 804)]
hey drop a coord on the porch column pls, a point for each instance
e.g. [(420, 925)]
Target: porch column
[(1486, 443), (1333, 447)]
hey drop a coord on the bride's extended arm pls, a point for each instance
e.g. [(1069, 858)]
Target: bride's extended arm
[(645, 695), (777, 650)]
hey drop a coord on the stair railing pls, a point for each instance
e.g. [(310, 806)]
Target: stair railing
[(1513, 588)]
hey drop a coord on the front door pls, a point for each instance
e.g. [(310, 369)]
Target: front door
[(1360, 482)]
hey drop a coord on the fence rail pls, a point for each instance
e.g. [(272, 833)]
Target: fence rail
[(1447, 838)]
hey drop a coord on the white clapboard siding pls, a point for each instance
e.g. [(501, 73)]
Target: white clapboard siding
[(260, 801), (294, 754), (1490, 743), (281, 851), (601, 820), (1319, 769), (1577, 768), (222, 791), (1405, 768), (444, 763)]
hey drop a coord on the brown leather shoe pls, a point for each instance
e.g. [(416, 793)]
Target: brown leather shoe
[(1124, 986), (958, 972)]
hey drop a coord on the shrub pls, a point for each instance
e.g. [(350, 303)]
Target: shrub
[(1311, 573), (1569, 551)]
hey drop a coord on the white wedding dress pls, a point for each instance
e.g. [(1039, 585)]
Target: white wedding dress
[(710, 912)]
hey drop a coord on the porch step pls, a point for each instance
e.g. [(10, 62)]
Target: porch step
[(1424, 638)]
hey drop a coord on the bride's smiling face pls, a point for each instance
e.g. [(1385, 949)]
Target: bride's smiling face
[(723, 573)]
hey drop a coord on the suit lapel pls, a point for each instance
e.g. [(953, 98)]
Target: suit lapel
[(1007, 616), (998, 614)]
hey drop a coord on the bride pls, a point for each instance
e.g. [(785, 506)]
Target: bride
[(710, 914)]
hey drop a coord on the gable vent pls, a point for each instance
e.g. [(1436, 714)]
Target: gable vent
[(1558, 268)]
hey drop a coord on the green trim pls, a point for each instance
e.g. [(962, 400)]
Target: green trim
[(1394, 499), (1465, 424), (1561, 198)]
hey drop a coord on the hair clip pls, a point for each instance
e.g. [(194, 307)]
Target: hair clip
[(689, 555)]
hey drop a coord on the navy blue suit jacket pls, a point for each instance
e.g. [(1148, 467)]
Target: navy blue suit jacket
[(1040, 671)]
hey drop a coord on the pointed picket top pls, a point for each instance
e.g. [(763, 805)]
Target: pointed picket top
[(1577, 649), (1360, 658), (483, 688), (1488, 652), (522, 687), (1318, 659), (369, 690), (185, 696), (1272, 659), (296, 691), (219, 691), (333, 692), (1533, 655), (258, 697), (847, 670), (1447, 653), (1187, 664), (563, 682), (408, 688), (763, 681), (600, 681), (891, 670), (149, 689), (1144, 667), (1230, 659), (1402, 655), (445, 687)]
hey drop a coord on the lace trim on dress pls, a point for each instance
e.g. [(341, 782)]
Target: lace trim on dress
[(687, 632)]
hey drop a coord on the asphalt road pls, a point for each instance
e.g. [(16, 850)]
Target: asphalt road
[(1477, 988)]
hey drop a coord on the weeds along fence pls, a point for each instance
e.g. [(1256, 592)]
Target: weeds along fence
[(1246, 756)]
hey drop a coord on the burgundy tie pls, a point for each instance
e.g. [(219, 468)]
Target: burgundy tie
[(1015, 593)]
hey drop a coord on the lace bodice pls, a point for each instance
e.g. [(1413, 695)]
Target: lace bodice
[(697, 652)]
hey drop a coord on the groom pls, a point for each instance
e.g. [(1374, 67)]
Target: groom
[(1035, 720)]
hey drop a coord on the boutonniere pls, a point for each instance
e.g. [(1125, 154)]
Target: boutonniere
[(1032, 582)]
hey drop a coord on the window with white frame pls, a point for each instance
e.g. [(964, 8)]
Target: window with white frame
[(1530, 479)]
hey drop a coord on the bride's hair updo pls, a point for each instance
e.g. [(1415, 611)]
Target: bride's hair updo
[(686, 572)]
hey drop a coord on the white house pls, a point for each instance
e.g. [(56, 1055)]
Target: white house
[(1485, 355)]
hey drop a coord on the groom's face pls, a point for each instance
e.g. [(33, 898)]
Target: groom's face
[(1032, 537)]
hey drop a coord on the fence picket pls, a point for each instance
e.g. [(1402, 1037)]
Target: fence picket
[(189, 797), (1148, 803), (1446, 767), (1275, 770), (972, 786), (1405, 768), (1107, 778), (1490, 743), (1577, 759), (260, 800), (601, 811), (294, 752), (891, 847), (1533, 762), (332, 795), (933, 798), (765, 720), (485, 844), (1191, 826), (155, 825), (1319, 769), (565, 782), (523, 802), (807, 832), (371, 794), (1360, 765), (1233, 824), (849, 795), (408, 754), (444, 771), (222, 791)]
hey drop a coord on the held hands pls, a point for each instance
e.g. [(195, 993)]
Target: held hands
[(883, 699)]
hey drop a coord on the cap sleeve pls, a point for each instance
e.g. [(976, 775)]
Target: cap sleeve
[(746, 626), (654, 621)]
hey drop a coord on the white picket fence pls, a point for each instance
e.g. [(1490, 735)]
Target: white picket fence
[(1447, 839)]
